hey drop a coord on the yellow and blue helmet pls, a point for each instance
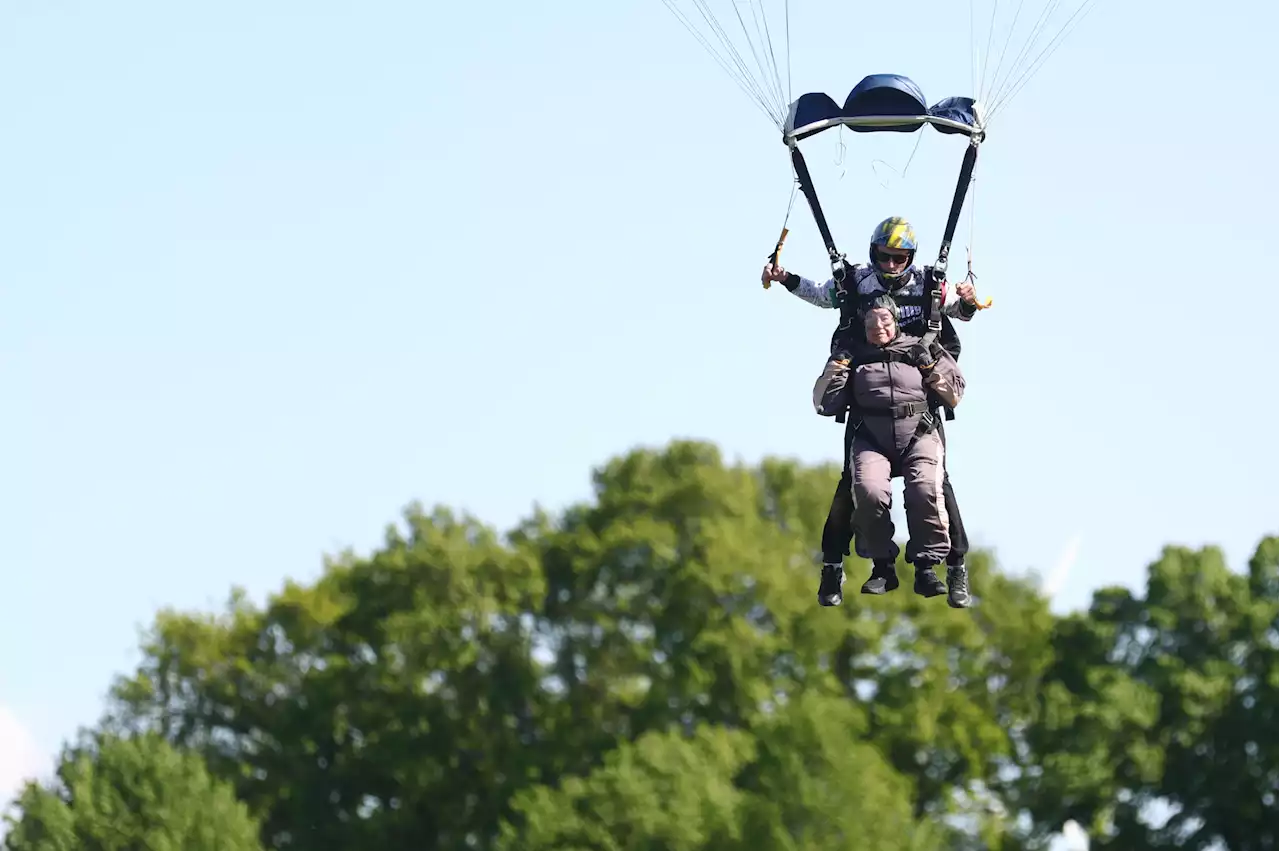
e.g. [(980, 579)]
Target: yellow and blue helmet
[(896, 234)]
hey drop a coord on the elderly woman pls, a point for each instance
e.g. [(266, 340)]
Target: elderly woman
[(894, 386)]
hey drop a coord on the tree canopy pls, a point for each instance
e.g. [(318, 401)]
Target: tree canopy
[(116, 794), (649, 671)]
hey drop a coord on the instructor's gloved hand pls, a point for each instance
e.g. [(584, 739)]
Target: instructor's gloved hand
[(924, 358)]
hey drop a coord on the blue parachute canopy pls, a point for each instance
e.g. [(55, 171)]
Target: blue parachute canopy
[(880, 103)]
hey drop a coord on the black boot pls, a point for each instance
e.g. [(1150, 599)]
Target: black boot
[(831, 588), (958, 586), (883, 579), (927, 582)]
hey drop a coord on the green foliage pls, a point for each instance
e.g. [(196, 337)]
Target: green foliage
[(820, 784), (1171, 698), (664, 791), (126, 794), (649, 671)]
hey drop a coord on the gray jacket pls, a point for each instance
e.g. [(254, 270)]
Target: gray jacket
[(875, 380)]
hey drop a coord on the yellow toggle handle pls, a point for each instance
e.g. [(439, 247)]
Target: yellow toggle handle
[(777, 249)]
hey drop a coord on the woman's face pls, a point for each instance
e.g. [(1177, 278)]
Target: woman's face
[(880, 326)]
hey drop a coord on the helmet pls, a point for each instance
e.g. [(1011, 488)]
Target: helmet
[(894, 232), (884, 301)]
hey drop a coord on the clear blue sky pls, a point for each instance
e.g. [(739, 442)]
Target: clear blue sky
[(272, 271)]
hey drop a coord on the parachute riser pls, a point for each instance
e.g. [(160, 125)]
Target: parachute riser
[(967, 166), (838, 266), (933, 305), (811, 195)]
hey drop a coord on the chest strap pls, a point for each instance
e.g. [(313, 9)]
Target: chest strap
[(901, 411), (882, 357)]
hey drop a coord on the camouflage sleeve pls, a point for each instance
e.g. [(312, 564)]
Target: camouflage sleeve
[(946, 379), (954, 306), (819, 295)]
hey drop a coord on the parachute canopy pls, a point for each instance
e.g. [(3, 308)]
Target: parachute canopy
[(880, 103), (1006, 49)]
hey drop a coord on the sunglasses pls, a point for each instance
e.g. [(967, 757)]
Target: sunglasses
[(892, 258)]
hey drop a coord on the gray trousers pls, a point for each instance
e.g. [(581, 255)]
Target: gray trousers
[(927, 521)]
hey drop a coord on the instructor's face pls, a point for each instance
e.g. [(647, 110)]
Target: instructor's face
[(880, 326)]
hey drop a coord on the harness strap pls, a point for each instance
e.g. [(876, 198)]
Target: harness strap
[(811, 195), (882, 357), (957, 203), (934, 278), (901, 411), (928, 424), (903, 300)]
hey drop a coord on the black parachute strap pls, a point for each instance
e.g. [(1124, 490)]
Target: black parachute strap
[(928, 423), (881, 357), (939, 272), (937, 276), (900, 411), (811, 195), (838, 265)]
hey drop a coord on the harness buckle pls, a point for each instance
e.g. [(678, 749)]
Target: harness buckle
[(928, 422)]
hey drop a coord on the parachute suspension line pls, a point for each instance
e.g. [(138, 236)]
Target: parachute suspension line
[(973, 221), (774, 84), (1008, 37), (1036, 29), (786, 7), (773, 107), (1022, 71), (791, 203), (1043, 56), (773, 60), (755, 54), (782, 237), (734, 55), (743, 79), (996, 84), (986, 54), (970, 276), (963, 184), (973, 57), (734, 65)]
